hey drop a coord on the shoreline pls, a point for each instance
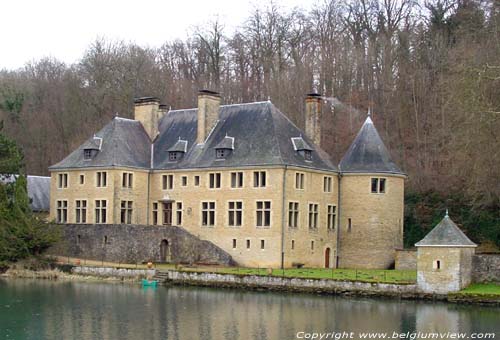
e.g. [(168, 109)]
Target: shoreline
[(249, 283)]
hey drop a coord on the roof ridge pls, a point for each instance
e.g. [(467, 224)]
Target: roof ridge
[(226, 105)]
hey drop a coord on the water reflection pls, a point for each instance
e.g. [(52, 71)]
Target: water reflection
[(48, 310)]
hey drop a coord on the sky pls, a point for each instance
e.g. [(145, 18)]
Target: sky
[(32, 29)]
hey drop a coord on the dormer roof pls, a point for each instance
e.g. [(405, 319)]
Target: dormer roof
[(226, 143), (446, 234), (299, 144), (93, 143), (179, 146), (368, 154)]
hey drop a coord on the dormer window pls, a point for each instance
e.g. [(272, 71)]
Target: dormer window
[(302, 148), (91, 147), (87, 154), (224, 148), (177, 151)]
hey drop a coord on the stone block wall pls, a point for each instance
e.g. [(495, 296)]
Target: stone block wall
[(406, 259), (136, 243), (486, 268)]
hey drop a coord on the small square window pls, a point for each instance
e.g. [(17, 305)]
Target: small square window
[(87, 154), (221, 153), (308, 155)]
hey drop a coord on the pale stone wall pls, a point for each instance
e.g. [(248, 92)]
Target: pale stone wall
[(376, 221), (406, 259), (454, 274), (113, 193), (302, 235)]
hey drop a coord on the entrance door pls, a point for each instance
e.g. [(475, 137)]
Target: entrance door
[(164, 251), (327, 258), (167, 213)]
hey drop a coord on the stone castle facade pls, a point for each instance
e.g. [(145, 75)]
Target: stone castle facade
[(243, 177)]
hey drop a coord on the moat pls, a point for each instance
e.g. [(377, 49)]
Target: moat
[(77, 310)]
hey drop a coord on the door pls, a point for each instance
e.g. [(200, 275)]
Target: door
[(164, 251), (167, 213), (327, 258)]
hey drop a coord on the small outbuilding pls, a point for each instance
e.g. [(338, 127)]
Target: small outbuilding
[(444, 259)]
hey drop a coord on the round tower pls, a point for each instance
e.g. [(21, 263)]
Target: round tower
[(371, 203)]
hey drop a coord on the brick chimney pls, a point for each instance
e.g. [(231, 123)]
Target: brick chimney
[(208, 113), (146, 110), (313, 117)]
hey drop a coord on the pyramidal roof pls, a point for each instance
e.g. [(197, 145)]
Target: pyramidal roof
[(446, 234), (368, 153)]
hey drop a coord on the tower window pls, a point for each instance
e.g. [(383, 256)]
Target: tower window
[(349, 225), (378, 185)]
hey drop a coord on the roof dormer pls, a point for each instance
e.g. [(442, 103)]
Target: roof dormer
[(302, 148), (178, 150), (225, 147), (91, 147)]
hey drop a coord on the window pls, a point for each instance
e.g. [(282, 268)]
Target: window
[(262, 244), (221, 153), (127, 178), (308, 155), (248, 244), (327, 184), (299, 180), (313, 216), (62, 181), (102, 179), (331, 217), (100, 211), (214, 180), (378, 185), (263, 213), (259, 179), (87, 154), (293, 244), (236, 179), (349, 225), (155, 213), (235, 214), (105, 240), (437, 265), (168, 182), (174, 156), (293, 214), (178, 212), (62, 211), (78, 239), (208, 214), (184, 181), (82, 179), (312, 245), (81, 211), (126, 212), (197, 181), (167, 213), (234, 243)]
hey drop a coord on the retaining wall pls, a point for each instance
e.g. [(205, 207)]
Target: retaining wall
[(406, 259), (486, 268), (113, 272)]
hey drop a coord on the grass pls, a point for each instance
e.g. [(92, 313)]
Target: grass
[(482, 289)]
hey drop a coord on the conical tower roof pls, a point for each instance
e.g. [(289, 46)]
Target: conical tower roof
[(446, 234), (368, 154)]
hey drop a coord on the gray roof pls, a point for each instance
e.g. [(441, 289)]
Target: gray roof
[(124, 143), (300, 144), (261, 132), (39, 192), (93, 143), (368, 154), (446, 234), (260, 135)]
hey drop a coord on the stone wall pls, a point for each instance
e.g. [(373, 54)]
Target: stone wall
[(284, 283), (136, 243), (114, 272), (486, 268), (406, 259)]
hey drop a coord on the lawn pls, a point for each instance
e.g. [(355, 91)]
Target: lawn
[(482, 289), (365, 275)]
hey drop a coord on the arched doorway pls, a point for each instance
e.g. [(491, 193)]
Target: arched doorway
[(327, 258), (165, 251)]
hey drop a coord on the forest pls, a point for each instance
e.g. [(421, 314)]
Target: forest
[(429, 71)]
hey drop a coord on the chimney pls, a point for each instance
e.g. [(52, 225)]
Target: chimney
[(162, 111), (313, 115), (208, 113), (146, 110)]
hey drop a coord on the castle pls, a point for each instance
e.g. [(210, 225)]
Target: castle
[(241, 176)]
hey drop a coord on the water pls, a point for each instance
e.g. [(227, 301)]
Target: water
[(74, 310)]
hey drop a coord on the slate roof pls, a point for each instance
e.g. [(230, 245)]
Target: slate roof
[(446, 234), (39, 192), (124, 143), (179, 146), (93, 143), (300, 144), (226, 143), (262, 136), (368, 153)]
